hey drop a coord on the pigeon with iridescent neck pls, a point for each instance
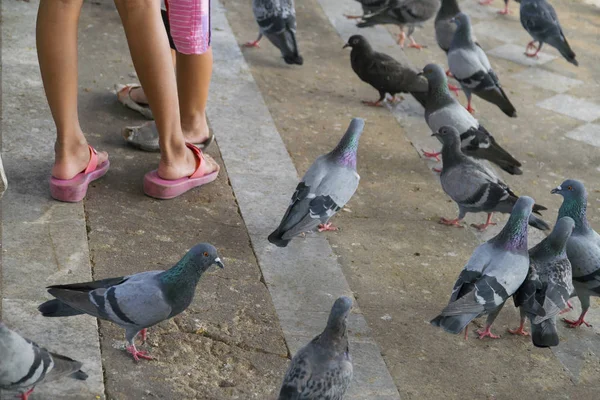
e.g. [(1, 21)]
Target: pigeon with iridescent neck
[(323, 368), (24, 364), (326, 187), (472, 69), (135, 302), (442, 109), (492, 275), (475, 187), (547, 287), (583, 247)]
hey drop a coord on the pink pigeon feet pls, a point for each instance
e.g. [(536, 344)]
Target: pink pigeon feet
[(372, 103), (451, 222), (138, 354), (506, 11), (144, 335), (327, 227), (482, 227), (25, 396), (469, 108), (252, 44), (486, 2), (449, 74), (453, 88), (353, 16), (531, 45), (401, 38), (435, 155), (580, 321), (566, 310), (519, 331), (487, 333)]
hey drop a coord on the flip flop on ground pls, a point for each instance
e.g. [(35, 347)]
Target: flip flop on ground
[(155, 186), (124, 97), (145, 137), (74, 190)]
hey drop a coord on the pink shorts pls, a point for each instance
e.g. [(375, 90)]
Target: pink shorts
[(189, 25)]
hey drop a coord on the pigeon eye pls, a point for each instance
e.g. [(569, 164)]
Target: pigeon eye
[(570, 188), (205, 254)]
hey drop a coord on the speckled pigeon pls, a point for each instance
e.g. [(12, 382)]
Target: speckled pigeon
[(471, 68), (540, 20), (547, 287), (443, 110), (473, 186), (24, 364), (401, 13), (384, 73), (494, 272), (135, 302), (277, 21), (326, 187), (323, 368), (583, 247)]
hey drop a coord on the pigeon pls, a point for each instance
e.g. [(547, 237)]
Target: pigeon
[(384, 73), (495, 271), (473, 186), (277, 21), (540, 20), (326, 187), (547, 287), (471, 68), (583, 247), (444, 27), (402, 12), (323, 368), (24, 364), (506, 11), (443, 110), (135, 302)]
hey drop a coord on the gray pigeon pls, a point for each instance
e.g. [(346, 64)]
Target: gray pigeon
[(540, 20), (471, 68), (494, 272), (443, 110), (135, 302), (401, 13), (444, 27), (24, 364), (384, 73), (583, 247), (277, 21), (323, 368), (326, 187), (473, 186), (547, 287)]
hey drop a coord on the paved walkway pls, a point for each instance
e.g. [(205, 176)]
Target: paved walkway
[(271, 121)]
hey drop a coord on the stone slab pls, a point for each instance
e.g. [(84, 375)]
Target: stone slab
[(516, 54), (547, 80), (588, 133), (573, 107)]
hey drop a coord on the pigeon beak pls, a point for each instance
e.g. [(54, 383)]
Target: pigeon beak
[(435, 134), (346, 45), (556, 190), (219, 263), (420, 73)]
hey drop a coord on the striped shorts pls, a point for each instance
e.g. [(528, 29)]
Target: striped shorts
[(189, 25)]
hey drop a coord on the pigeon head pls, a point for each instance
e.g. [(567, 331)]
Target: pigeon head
[(514, 234), (461, 19), (575, 202), (435, 75), (345, 152), (560, 234), (336, 323), (357, 42), (448, 135), (193, 264)]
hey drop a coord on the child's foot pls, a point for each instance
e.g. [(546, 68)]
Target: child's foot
[(72, 159), (186, 165)]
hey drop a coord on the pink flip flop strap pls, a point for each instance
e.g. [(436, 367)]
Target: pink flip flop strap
[(93, 163), (198, 154)]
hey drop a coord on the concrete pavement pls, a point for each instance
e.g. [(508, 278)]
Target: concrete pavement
[(271, 120)]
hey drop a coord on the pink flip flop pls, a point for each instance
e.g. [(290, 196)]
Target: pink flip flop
[(74, 190), (159, 188)]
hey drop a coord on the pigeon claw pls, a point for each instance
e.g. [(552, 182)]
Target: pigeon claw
[(25, 396), (486, 2), (252, 44), (506, 11), (453, 88), (482, 227), (138, 354), (373, 103), (353, 16), (327, 227), (518, 331), (429, 154), (451, 222), (575, 324), (487, 333), (470, 109), (449, 74), (144, 335)]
